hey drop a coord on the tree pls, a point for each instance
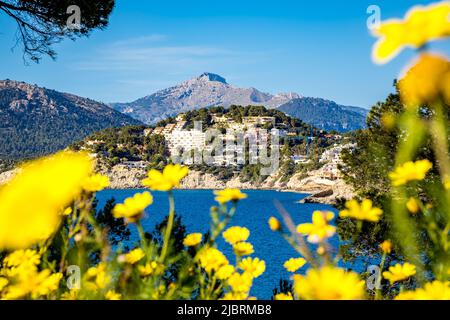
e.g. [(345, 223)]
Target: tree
[(367, 168), (43, 23), (118, 231)]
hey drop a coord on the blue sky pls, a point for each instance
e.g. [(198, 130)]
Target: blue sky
[(316, 48)]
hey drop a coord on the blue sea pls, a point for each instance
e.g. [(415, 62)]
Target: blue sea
[(253, 213)]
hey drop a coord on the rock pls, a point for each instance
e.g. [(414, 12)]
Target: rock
[(323, 190)]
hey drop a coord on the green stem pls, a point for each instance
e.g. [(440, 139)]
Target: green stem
[(141, 234), (378, 285), (169, 227)]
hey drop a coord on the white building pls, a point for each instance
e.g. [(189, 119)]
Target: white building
[(184, 140)]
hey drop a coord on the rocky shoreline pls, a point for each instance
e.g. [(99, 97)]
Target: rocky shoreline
[(321, 190)]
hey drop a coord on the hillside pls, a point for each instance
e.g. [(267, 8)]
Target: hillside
[(326, 114), (204, 91), (210, 89), (35, 121), (138, 148)]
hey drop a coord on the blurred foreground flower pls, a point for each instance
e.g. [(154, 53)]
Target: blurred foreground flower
[(293, 264), (112, 295), (243, 249), (255, 267), (386, 246), (192, 239), (22, 277), (236, 234), (225, 272), (95, 183), (363, 211), (211, 259), (151, 268), (274, 224), (329, 283), (284, 296), (413, 206), (399, 272), (32, 203), (166, 180), (133, 208), (134, 256), (97, 277), (227, 195), (421, 25), (426, 82), (240, 283), (319, 229), (436, 290), (410, 171)]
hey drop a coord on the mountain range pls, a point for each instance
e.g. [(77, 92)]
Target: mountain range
[(35, 121), (209, 89)]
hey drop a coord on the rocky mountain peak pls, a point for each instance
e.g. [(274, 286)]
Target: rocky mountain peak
[(207, 76)]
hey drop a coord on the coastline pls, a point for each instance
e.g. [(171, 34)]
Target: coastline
[(314, 186)]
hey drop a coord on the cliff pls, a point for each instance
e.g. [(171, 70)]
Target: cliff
[(322, 190)]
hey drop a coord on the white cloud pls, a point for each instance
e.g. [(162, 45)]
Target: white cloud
[(145, 53), (139, 40)]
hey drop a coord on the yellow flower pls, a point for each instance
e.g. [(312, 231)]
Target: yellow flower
[(235, 296), (447, 183), (420, 25), (436, 290), (211, 259), (3, 283), (426, 82), (234, 235), (321, 250), (227, 195), (146, 270), (329, 283), (112, 295), (133, 208), (399, 272), (240, 282), (293, 264), (243, 249), (134, 256), (386, 246), (225, 272), (192, 239), (31, 204), (413, 206), (96, 183), (319, 229), (99, 276), (22, 257), (254, 267), (284, 296), (274, 224), (388, 120), (363, 211), (68, 211), (151, 268), (167, 180), (33, 283), (406, 295), (70, 295), (410, 171)]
